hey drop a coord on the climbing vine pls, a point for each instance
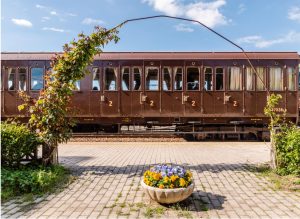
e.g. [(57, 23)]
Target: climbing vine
[(50, 113)]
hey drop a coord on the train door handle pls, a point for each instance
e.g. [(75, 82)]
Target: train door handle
[(102, 98), (185, 98), (143, 98)]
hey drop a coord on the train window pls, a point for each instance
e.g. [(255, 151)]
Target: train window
[(276, 78), (178, 78), (192, 80), (208, 83), (260, 78), (110, 79), (22, 78), (250, 79), (234, 78), (96, 79), (77, 85), (166, 85), (151, 78), (136, 84), (125, 79), (219, 79), (11, 78), (291, 79), (37, 78)]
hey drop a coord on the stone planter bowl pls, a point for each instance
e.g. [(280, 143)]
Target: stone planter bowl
[(168, 196)]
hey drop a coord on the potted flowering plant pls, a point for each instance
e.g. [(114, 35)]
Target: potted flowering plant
[(168, 184)]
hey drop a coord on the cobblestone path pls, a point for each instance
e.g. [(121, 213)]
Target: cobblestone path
[(109, 174)]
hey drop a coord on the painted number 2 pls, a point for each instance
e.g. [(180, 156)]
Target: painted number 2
[(235, 103), (109, 103), (193, 103), (151, 103)]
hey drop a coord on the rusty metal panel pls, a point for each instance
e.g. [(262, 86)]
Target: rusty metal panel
[(159, 55)]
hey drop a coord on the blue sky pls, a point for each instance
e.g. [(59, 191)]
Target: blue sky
[(256, 25)]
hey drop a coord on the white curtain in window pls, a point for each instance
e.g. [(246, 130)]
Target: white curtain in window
[(11, 79), (276, 79), (260, 79), (291, 79), (249, 79), (235, 79)]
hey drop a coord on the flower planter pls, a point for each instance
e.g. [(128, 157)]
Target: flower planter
[(168, 196)]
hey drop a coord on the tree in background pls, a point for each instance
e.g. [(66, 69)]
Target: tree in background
[(50, 113)]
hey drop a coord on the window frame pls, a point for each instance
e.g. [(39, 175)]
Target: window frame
[(92, 79), (253, 78), (287, 78), (158, 79), (224, 78), (241, 80), (265, 78), (199, 82), (15, 79), (117, 78), (30, 73), (18, 78), (141, 78), (163, 77), (182, 78), (129, 74), (212, 78)]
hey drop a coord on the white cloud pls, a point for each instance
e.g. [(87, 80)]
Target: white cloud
[(260, 42), (89, 21), (53, 12), (71, 14), (184, 28), (22, 22), (44, 19), (241, 8), (40, 6), (54, 29), (206, 12), (294, 14)]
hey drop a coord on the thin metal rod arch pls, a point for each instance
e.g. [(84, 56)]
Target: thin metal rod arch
[(198, 22)]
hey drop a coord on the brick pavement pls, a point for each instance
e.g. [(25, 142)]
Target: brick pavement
[(109, 174)]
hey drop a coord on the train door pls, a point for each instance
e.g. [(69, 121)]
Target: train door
[(234, 94), (151, 97), (95, 91), (261, 91), (110, 95), (219, 94), (208, 94), (125, 91), (136, 91), (192, 96), (166, 91), (178, 107), (250, 97)]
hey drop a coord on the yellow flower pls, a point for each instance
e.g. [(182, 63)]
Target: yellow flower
[(166, 179), (182, 182), (171, 186), (189, 174), (156, 176), (161, 186), (173, 178)]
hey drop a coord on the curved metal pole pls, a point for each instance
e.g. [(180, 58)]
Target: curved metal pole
[(195, 21)]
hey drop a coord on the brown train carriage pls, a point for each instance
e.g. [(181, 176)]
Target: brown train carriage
[(198, 92)]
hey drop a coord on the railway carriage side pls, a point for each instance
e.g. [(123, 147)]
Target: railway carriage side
[(205, 96)]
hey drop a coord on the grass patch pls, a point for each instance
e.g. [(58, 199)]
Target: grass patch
[(154, 212), (32, 180), (287, 182)]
